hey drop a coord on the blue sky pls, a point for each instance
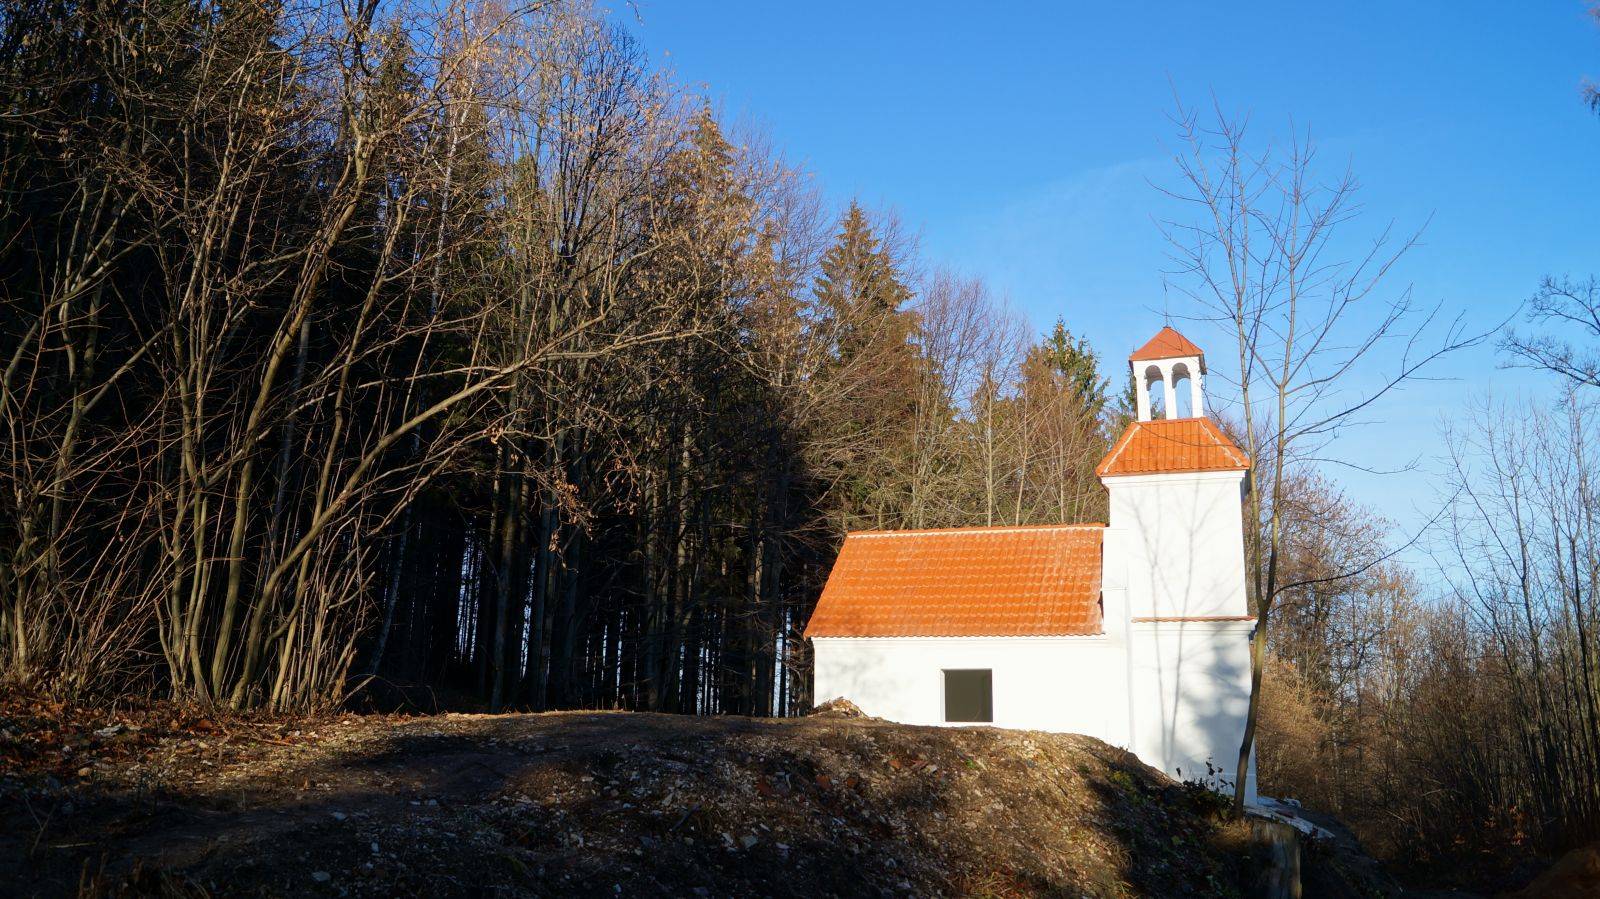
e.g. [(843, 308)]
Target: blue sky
[(1021, 142)]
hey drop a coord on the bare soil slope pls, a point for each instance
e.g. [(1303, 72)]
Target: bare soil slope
[(567, 804)]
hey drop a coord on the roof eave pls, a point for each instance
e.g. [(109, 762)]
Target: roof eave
[(810, 636), (1219, 469)]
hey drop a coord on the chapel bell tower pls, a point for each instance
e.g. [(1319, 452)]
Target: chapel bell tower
[(1176, 484), (1166, 359), (1173, 567)]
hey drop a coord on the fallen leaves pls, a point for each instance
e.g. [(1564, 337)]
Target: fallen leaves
[(48, 738)]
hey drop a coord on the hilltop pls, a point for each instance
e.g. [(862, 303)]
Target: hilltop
[(594, 803)]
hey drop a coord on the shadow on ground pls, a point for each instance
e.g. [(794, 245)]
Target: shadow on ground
[(568, 804)]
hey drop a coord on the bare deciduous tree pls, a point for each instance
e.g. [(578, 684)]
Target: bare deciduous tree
[(1572, 307), (1318, 336)]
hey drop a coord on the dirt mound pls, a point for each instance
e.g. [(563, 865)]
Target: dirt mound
[(569, 804), (838, 707), (1575, 876)]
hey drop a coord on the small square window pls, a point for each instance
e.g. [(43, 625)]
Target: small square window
[(969, 695)]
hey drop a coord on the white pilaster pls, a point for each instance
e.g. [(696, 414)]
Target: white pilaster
[(1167, 391), (1141, 392)]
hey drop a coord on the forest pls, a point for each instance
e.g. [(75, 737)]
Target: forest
[(451, 355)]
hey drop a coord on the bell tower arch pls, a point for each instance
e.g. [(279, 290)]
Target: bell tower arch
[(1165, 360)]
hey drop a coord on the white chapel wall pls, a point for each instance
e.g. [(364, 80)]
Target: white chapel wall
[(1176, 544), (1185, 543), (1064, 684), (1190, 693), (1177, 702)]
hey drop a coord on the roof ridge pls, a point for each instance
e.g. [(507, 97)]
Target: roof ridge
[(1122, 444), (1223, 441), (979, 529), (1169, 343)]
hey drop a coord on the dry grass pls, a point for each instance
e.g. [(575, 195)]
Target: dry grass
[(597, 803)]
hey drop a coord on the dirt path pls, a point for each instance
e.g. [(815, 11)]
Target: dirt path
[(609, 803)]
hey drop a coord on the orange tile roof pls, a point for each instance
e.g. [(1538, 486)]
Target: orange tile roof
[(1167, 344), (964, 582), (1173, 445)]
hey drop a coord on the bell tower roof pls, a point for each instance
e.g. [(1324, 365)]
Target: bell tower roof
[(1167, 344), (1169, 358), (1172, 439), (1177, 446)]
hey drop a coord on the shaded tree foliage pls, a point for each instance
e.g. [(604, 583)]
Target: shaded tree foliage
[(451, 347)]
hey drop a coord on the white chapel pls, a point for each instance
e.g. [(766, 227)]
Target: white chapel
[(1135, 631)]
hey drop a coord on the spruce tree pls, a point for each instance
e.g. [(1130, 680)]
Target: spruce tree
[(873, 373), (1066, 402), (1072, 364), (860, 289)]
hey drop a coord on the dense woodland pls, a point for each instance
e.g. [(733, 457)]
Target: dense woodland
[(367, 353), (455, 347)]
